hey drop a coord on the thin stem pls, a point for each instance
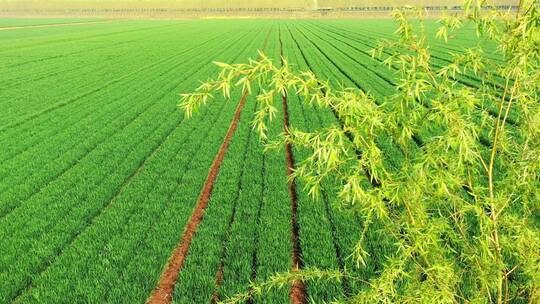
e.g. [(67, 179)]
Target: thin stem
[(495, 140), (498, 129), (519, 8)]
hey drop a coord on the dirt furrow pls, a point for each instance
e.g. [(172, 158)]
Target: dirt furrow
[(163, 292), (298, 290), (165, 287)]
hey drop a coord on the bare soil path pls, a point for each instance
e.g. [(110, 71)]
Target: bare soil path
[(298, 291), (163, 292)]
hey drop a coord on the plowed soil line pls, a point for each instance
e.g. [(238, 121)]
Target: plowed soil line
[(50, 25), (165, 287), (163, 292), (298, 290)]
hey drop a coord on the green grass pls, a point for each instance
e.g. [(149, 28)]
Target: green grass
[(99, 172)]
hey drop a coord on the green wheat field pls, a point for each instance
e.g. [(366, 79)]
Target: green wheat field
[(100, 171)]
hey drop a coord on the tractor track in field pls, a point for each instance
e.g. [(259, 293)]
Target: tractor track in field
[(328, 210), (165, 287), (219, 272), (118, 191), (298, 292), (162, 294), (9, 28)]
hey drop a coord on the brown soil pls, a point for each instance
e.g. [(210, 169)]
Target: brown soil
[(165, 287), (298, 290), (50, 25), (219, 272), (162, 294), (219, 279)]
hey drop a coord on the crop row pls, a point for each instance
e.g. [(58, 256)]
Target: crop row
[(35, 87), (458, 41), (344, 226), (62, 154), (15, 22), (439, 58), (96, 188), (378, 81), (41, 38), (327, 62), (245, 234), (358, 79), (60, 213)]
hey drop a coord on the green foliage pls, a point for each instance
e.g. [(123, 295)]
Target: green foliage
[(463, 215)]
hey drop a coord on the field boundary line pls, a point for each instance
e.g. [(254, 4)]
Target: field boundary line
[(298, 292), (9, 28), (328, 209), (220, 271), (165, 287), (162, 294)]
